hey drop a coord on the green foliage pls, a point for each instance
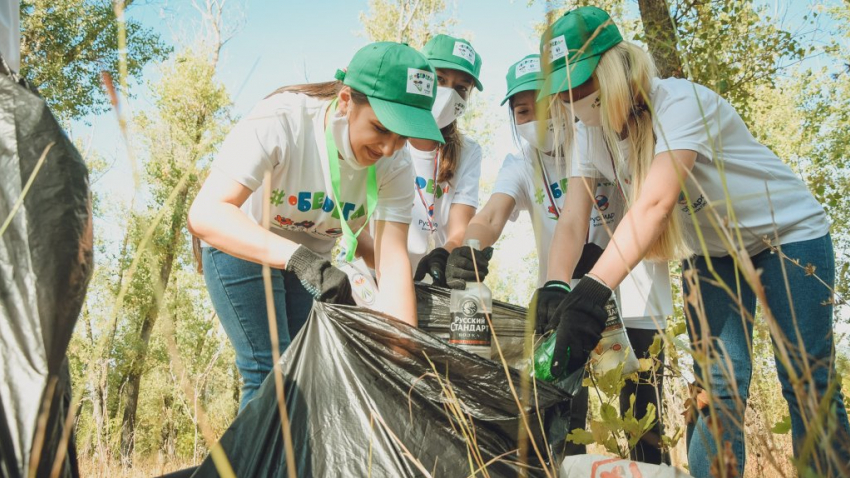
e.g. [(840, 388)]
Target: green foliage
[(406, 21), (66, 44), (734, 46), (165, 356), (617, 432)]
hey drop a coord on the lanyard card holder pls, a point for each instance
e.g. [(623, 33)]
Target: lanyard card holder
[(364, 289)]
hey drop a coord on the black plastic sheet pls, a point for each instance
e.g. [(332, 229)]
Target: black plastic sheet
[(363, 399), (45, 265)]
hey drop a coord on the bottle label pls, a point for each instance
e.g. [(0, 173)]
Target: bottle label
[(469, 325), (613, 322)]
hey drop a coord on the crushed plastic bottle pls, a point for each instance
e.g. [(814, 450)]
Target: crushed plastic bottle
[(614, 348)]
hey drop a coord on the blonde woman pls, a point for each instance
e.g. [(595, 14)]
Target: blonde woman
[(531, 180), (701, 189)]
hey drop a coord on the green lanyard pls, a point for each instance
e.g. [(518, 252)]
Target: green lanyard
[(348, 236)]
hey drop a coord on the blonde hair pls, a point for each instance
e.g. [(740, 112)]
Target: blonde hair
[(624, 75)]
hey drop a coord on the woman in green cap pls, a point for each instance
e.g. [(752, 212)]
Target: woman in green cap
[(533, 180), (329, 156), (446, 175), (701, 189), (446, 183)]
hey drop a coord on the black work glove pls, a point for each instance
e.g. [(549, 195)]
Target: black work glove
[(459, 267), (589, 255), (433, 264), (320, 277), (583, 318), (548, 298)]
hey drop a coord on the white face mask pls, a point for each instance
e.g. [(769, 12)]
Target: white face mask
[(448, 106), (340, 130), (529, 132), (588, 109)]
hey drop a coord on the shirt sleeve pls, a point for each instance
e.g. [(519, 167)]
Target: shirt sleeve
[(582, 166), (257, 144), (687, 118), (468, 175), (395, 193), (510, 181)]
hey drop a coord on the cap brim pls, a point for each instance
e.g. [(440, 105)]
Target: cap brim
[(557, 80), (529, 85), (405, 120), (437, 63)]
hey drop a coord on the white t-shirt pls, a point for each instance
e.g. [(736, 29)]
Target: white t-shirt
[(461, 189), (767, 196), (285, 134), (520, 177)]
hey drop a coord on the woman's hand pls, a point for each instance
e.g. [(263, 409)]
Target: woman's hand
[(434, 265), (320, 278)]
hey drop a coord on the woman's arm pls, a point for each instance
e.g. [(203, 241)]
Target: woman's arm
[(396, 295), (459, 217), (647, 217), (571, 230), (488, 224), (366, 247), (215, 217)]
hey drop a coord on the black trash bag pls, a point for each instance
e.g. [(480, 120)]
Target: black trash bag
[(509, 322), (45, 266), (349, 366)]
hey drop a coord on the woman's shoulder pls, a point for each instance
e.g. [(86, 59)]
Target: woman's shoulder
[(669, 90), (469, 143), (469, 148), (287, 104), (517, 160)]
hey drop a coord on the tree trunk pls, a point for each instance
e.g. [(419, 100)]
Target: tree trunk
[(660, 34), (134, 377)]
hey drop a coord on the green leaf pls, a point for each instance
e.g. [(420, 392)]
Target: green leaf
[(655, 348), (783, 426), (611, 382), (646, 364), (580, 436)]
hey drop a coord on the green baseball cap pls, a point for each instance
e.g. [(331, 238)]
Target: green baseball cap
[(524, 75), (401, 86), (445, 51), (577, 39)]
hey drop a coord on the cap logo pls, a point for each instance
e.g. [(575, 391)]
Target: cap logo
[(557, 48), (465, 51), (420, 82), (529, 65)]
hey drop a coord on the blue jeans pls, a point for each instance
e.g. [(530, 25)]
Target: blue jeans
[(727, 333), (238, 296)]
